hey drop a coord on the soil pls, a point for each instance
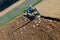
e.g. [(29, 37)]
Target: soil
[(18, 29)]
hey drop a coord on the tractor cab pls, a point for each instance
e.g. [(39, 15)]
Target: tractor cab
[(30, 9)]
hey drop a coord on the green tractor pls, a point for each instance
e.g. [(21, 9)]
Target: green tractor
[(31, 13)]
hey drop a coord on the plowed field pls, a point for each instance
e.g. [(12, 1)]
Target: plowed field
[(18, 29)]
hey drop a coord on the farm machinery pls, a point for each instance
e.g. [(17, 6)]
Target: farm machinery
[(31, 13)]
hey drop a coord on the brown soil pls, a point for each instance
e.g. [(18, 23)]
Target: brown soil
[(18, 29), (11, 7), (49, 8)]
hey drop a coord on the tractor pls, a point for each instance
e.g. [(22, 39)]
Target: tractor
[(31, 13)]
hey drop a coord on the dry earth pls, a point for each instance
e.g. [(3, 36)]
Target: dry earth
[(19, 30), (49, 8), (11, 7)]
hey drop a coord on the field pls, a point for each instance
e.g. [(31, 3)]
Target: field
[(18, 29), (49, 8)]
